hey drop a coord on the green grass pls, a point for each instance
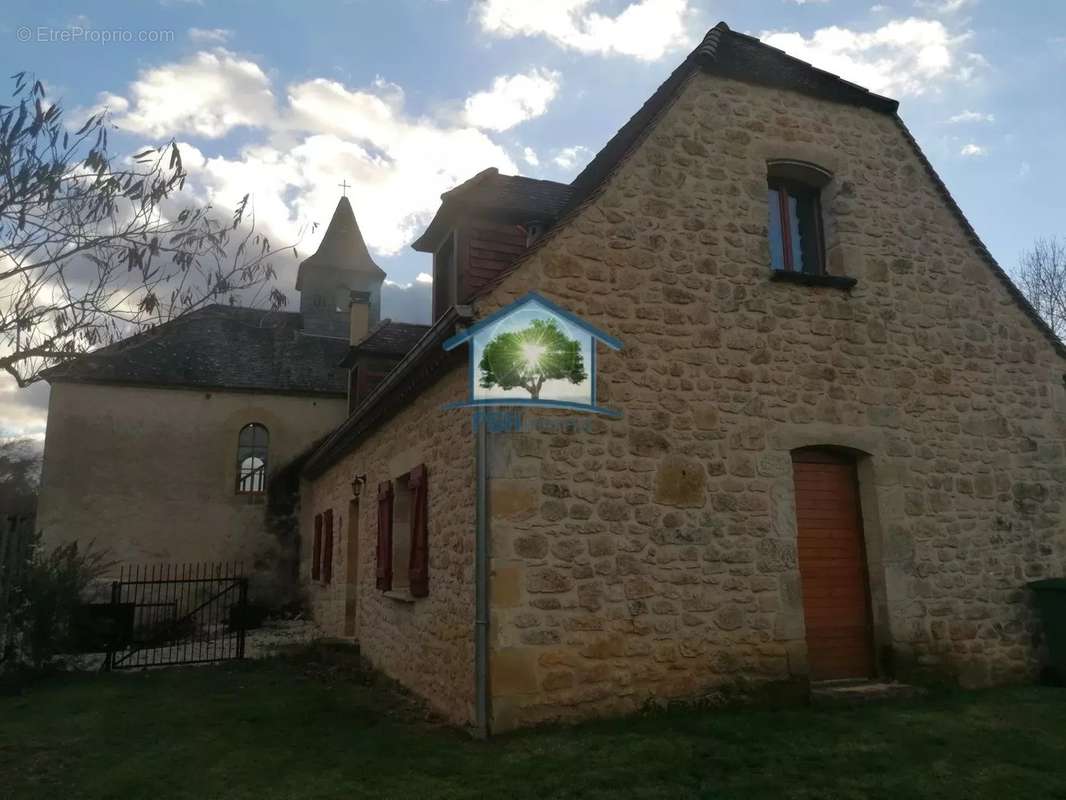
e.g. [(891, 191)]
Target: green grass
[(304, 729)]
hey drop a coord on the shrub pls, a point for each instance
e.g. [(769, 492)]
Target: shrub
[(47, 591)]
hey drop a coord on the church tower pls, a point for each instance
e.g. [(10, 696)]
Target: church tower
[(340, 273)]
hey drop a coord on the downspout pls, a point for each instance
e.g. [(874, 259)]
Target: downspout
[(481, 582)]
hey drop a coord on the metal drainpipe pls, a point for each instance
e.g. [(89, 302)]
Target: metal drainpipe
[(481, 583)]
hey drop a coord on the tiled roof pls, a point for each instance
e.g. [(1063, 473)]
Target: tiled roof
[(392, 338), (387, 339), (220, 347), (512, 195)]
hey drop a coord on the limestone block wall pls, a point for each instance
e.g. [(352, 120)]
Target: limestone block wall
[(150, 474), (427, 643), (656, 555)]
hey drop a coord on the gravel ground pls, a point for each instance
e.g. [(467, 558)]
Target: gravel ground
[(262, 642)]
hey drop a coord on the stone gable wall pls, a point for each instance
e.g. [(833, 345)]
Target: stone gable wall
[(655, 557), (425, 644)]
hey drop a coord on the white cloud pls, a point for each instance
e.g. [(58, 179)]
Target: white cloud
[(210, 35), (972, 150), (512, 99), (877, 9), (1024, 169), (902, 57), (570, 157), (105, 101), (423, 277), (971, 116), (943, 6), (208, 94), (646, 29), (304, 140), (529, 155), (807, 2), (411, 302), (399, 165), (23, 412)]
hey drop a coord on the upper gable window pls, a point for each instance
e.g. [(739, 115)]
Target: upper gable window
[(795, 216), (252, 446)]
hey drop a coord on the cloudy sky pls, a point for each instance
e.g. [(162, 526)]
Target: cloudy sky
[(403, 99)]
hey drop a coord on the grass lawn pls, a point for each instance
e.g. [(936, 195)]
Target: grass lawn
[(300, 728)]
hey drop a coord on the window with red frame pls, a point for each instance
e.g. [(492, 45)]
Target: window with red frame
[(796, 243)]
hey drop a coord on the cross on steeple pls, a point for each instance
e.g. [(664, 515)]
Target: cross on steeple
[(344, 188)]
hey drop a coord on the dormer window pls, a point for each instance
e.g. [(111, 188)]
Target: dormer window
[(797, 243)]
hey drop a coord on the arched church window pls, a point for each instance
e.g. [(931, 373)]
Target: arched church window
[(252, 445)]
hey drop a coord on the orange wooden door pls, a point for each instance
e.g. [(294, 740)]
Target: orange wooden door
[(832, 564)]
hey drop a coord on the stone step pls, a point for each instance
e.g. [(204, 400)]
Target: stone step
[(855, 692)]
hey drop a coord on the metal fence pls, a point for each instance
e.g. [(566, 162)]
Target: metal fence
[(168, 614)]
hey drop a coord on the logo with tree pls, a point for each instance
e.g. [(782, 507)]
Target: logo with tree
[(532, 356), (533, 353)]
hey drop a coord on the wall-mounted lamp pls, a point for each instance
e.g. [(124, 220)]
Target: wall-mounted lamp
[(358, 482)]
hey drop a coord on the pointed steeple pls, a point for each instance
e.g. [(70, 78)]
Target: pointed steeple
[(342, 247), (340, 271)]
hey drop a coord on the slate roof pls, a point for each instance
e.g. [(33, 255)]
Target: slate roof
[(392, 338), (219, 347), (342, 246), (511, 195), (388, 339)]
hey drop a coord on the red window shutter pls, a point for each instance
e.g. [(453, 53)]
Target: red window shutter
[(385, 536), (327, 552), (316, 550), (419, 563)]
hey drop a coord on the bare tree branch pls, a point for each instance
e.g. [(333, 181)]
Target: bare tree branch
[(1042, 278), (91, 250)]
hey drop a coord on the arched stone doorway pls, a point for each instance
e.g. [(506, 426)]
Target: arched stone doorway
[(833, 568)]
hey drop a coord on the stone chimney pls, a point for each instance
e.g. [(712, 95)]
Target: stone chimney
[(359, 317)]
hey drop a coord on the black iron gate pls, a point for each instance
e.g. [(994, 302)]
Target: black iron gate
[(170, 614)]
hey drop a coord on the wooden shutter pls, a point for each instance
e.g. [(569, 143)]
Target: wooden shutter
[(316, 550), (418, 567), (327, 552), (385, 536)]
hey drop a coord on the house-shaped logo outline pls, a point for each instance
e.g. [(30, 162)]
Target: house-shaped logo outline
[(533, 298)]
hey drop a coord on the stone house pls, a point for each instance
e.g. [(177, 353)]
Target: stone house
[(840, 453), (162, 447)]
